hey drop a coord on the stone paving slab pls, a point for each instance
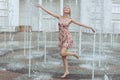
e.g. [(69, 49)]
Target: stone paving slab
[(7, 75)]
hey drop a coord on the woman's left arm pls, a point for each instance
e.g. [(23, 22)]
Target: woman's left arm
[(83, 25)]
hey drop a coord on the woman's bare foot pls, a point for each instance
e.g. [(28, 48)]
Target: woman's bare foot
[(65, 74), (76, 55)]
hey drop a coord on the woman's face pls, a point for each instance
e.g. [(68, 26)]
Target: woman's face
[(66, 10)]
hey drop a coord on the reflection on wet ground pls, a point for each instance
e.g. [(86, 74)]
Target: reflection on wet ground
[(14, 64)]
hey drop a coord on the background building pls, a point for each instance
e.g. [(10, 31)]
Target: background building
[(101, 14)]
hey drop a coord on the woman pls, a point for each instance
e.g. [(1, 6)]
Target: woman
[(65, 39)]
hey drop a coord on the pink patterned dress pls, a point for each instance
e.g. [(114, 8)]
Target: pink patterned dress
[(65, 38)]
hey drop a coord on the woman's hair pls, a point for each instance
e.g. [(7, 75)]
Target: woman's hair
[(69, 9)]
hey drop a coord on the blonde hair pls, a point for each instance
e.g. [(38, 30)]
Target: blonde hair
[(69, 9)]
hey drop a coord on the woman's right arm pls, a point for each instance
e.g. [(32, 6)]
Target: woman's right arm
[(49, 12), (80, 24)]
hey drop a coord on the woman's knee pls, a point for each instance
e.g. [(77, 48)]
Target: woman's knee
[(62, 54)]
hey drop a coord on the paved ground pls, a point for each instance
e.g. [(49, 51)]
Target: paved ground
[(14, 64), (8, 75)]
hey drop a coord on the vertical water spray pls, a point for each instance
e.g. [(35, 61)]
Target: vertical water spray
[(61, 7), (45, 41), (50, 22), (76, 2), (106, 77), (45, 46), (100, 47), (25, 41), (30, 35), (93, 63), (76, 31), (75, 41), (40, 24), (80, 31), (38, 38), (11, 36), (4, 26)]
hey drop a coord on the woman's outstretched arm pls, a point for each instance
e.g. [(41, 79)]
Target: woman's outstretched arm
[(49, 12), (80, 24)]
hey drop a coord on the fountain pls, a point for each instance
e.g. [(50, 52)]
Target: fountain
[(93, 63), (27, 41), (11, 35), (106, 77), (30, 34), (4, 25)]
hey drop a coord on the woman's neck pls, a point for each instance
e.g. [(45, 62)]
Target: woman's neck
[(66, 15)]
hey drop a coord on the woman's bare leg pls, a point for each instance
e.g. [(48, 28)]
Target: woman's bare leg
[(64, 54), (65, 63), (72, 54)]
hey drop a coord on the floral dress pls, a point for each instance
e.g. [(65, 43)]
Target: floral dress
[(65, 38)]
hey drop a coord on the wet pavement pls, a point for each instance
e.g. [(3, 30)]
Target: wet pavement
[(14, 64)]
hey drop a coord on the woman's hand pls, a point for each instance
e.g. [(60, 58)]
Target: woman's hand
[(47, 11)]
